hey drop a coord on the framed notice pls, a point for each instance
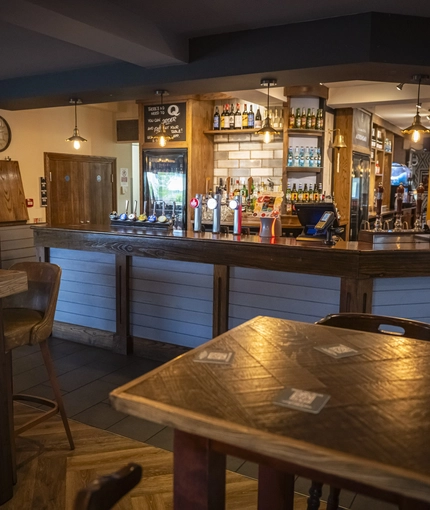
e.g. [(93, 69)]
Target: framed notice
[(174, 117), (361, 128)]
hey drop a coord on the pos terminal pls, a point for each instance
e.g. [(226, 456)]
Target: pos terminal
[(319, 222)]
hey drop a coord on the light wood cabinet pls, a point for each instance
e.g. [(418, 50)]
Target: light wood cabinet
[(13, 208)]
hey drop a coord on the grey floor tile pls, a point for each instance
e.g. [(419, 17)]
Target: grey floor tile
[(110, 365), (63, 348), (101, 416), (302, 485), (130, 372), (39, 390), (30, 378), (163, 439), (87, 396), (25, 363), (80, 377), (135, 428), (25, 350), (249, 469), (233, 463), (364, 503)]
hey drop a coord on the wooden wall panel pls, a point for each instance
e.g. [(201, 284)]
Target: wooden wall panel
[(17, 245)]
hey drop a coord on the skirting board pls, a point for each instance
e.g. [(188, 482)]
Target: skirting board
[(158, 351)]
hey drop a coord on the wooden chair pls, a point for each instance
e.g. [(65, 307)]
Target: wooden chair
[(371, 324), (105, 491), (28, 319)]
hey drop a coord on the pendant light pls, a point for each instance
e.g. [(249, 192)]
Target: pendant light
[(267, 130), (76, 138), (416, 128), (161, 137)]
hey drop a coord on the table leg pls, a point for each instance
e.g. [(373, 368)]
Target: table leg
[(275, 489), (198, 474)]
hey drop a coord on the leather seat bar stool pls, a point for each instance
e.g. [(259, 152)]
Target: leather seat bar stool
[(372, 324), (28, 319)]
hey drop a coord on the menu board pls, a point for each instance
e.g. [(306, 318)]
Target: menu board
[(174, 117), (361, 128)]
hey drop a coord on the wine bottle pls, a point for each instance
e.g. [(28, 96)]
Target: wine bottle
[(258, 122), (303, 119), (225, 117), (291, 119), (231, 118), (250, 118), (244, 117), (216, 119), (309, 119), (298, 119), (237, 118)]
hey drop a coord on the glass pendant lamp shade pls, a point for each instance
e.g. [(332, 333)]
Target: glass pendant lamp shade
[(161, 137), (76, 138), (417, 128), (268, 131)]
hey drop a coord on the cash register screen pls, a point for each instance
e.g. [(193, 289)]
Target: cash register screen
[(310, 214)]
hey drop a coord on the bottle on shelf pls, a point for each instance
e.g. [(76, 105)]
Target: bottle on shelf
[(223, 117), (294, 193), (296, 156), (216, 124), (302, 156), (298, 122), (313, 119), (244, 117), (237, 118), (258, 122), (377, 168), (291, 119), (320, 193), (306, 163), (312, 157), (316, 195), (373, 139), (319, 124), (309, 119), (250, 118), (231, 118), (290, 158), (236, 190), (281, 118), (305, 193), (318, 157), (303, 119), (300, 193), (288, 199)]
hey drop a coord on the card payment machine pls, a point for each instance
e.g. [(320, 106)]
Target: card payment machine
[(319, 222)]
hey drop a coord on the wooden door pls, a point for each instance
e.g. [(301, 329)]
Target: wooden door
[(81, 189)]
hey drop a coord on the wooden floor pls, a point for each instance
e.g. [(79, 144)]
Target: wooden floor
[(49, 474)]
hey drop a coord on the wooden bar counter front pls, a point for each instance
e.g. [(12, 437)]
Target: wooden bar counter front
[(356, 268)]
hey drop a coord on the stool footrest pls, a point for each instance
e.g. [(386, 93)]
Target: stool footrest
[(44, 416)]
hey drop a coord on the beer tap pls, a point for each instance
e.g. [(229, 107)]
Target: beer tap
[(399, 202), (379, 195), (236, 205), (214, 204), (197, 204), (418, 222)]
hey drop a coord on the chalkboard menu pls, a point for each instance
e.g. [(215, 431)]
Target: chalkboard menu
[(174, 117), (361, 128)]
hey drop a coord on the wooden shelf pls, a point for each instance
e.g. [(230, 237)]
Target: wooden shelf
[(231, 131), (315, 169), (305, 132)]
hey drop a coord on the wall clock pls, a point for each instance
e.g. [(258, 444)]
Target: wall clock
[(5, 135)]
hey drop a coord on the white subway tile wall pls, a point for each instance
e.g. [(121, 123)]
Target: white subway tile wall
[(245, 155)]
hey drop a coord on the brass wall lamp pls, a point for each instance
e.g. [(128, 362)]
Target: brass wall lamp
[(337, 143)]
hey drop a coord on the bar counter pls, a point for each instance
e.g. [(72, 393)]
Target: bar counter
[(349, 269)]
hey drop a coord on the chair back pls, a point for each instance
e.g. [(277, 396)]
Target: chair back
[(376, 323), (103, 492)]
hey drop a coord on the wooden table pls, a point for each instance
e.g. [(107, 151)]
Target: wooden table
[(372, 436), (11, 282)]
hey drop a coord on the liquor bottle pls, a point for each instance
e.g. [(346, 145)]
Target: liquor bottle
[(288, 199), (309, 119), (296, 156), (276, 119), (318, 120), (281, 119), (223, 117), (302, 156), (321, 119), (291, 119), (216, 119), (294, 193), (305, 193), (303, 119), (250, 118), (290, 158), (237, 118), (298, 119), (231, 117), (257, 122), (313, 119), (306, 163), (300, 193), (320, 193), (236, 188), (244, 117), (316, 194)]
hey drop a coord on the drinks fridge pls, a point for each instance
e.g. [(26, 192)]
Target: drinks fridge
[(359, 193), (165, 184)]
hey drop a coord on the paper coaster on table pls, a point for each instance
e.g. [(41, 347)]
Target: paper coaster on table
[(212, 356), (302, 400), (337, 350)]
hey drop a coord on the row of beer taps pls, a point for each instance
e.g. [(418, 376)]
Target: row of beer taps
[(142, 216)]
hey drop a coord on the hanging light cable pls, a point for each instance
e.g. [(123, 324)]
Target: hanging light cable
[(161, 137), (416, 128), (76, 138), (267, 130)]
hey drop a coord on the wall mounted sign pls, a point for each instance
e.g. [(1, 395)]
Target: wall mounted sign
[(361, 128), (174, 118)]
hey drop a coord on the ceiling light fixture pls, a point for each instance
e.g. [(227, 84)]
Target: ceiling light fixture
[(76, 138), (267, 130), (400, 86), (416, 128), (162, 137)]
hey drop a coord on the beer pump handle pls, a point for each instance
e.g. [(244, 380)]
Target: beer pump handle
[(420, 192), (399, 198), (379, 197)]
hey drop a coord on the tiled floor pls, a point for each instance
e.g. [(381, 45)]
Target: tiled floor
[(86, 376)]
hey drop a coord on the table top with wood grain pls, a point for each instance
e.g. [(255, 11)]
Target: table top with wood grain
[(374, 429), (12, 282)]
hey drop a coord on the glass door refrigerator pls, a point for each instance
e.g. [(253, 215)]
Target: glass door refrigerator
[(359, 193), (165, 184)]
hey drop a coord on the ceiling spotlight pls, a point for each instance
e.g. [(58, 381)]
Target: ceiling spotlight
[(400, 86)]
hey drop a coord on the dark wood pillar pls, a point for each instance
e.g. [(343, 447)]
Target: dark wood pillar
[(356, 295), (221, 289), (275, 489), (122, 341)]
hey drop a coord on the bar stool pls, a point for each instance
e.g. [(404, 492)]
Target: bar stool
[(28, 319), (372, 324)]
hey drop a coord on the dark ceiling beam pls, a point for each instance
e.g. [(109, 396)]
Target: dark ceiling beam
[(99, 26), (335, 49)]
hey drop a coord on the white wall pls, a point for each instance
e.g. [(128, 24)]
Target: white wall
[(45, 130)]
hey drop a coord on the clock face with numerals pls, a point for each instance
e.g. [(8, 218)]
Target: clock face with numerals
[(5, 135)]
